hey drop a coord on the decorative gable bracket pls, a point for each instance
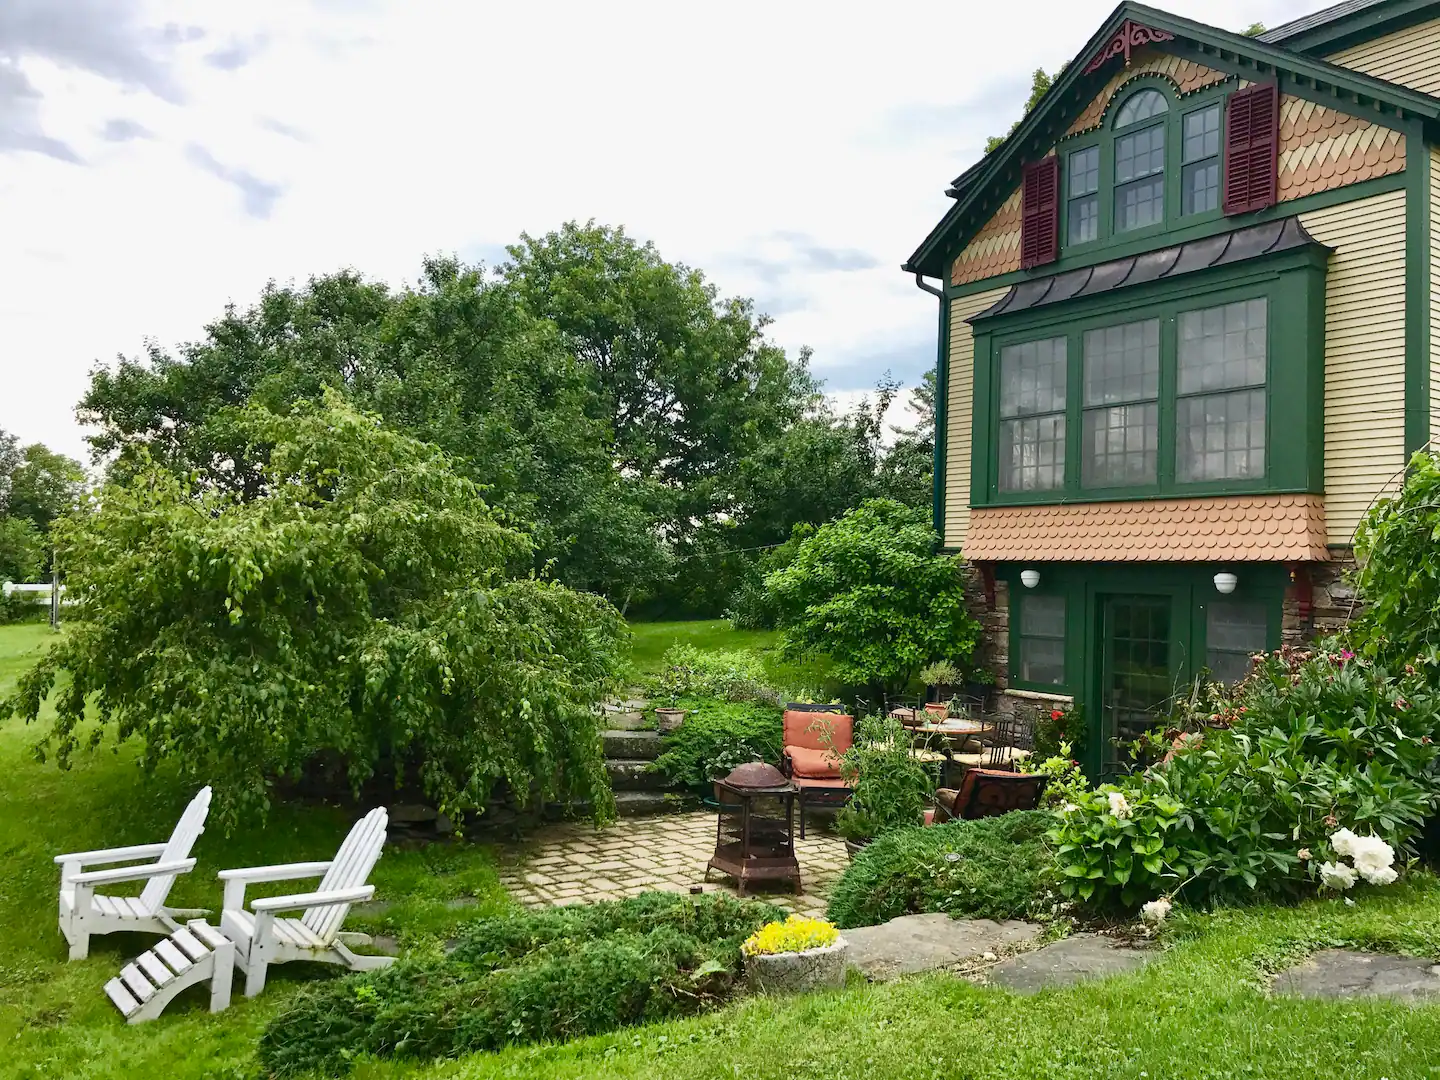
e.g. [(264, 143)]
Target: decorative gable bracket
[(1130, 36)]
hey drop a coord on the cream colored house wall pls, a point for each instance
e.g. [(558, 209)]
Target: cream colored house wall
[(960, 411), (1410, 57), (1364, 354)]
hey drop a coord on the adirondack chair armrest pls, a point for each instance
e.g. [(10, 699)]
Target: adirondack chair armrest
[(110, 855), (92, 878), (329, 898), (236, 880)]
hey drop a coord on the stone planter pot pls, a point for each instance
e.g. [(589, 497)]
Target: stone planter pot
[(670, 719), (854, 847), (798, 972)]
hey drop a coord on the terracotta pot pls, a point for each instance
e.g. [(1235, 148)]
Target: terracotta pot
[(937, 709), (670, 719)]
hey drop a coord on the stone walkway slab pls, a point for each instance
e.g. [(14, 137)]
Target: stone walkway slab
[(1066, 962), (1346, 973), (575, 863), (915, 943)]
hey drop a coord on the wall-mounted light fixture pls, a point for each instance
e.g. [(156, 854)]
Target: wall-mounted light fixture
[(1225, 583), (1029, 578)]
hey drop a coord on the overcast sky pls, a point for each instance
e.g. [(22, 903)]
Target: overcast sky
[(160, 159)]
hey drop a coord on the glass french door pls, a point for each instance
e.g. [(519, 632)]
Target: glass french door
[(1137, 639)]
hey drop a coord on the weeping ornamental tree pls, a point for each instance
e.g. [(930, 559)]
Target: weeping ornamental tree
[(364, 604)]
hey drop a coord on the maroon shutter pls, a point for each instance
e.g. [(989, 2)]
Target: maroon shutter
[(1252, 140), (1040, 213)]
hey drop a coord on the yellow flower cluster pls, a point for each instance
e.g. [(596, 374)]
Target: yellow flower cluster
[(795, 934)]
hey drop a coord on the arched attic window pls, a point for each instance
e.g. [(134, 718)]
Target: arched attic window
[(1140, 160)]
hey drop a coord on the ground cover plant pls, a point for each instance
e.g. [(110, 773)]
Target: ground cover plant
[(993, 868), (364, 606), (551, 974), (717, 736)]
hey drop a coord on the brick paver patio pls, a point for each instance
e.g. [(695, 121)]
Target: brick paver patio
[(576, 863)]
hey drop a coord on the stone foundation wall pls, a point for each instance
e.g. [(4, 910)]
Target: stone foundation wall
[(1333, 600)]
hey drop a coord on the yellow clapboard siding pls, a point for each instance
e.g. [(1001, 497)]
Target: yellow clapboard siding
[(1410, 57), (1364, 354), (959, 411), (1434, 297)]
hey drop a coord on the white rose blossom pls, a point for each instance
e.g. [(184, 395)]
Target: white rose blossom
[(1119, 805), (1156, 911), (1336, 876)]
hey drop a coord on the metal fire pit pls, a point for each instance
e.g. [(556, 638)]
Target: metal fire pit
[(755, 829)]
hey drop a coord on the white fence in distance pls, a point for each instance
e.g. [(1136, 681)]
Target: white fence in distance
[(39, 594)]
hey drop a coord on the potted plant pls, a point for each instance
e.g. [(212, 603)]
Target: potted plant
[(940, 677), (669, 719), (795, 956), (889, 787)]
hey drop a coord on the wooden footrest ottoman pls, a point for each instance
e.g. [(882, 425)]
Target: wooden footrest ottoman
[(195, 953)]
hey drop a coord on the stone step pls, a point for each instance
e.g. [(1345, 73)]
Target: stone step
[(635, 774), (619, 720), (629, 745), (641, 803)]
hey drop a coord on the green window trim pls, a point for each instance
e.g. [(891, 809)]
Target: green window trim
[(1293, 285), (1104, 143), (1190, 589)]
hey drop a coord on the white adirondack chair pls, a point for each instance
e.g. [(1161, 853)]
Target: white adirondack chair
[(262, 938), (84, 912)]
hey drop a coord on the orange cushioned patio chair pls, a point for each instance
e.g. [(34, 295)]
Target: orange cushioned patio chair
[(815, 737)]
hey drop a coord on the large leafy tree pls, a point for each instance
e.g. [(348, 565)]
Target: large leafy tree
[(685, 379), (45, 486), (869, 591), (456, 360), (357, 600)]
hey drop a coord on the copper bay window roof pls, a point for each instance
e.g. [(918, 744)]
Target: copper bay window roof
[(1233, 528)]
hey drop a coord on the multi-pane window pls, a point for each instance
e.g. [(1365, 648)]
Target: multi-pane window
[(1234, 631), (1220, 388), (1200, 161), (1032, 415), (1122, 409), (1083, 189), (1042, 639), (1142, 106), (1140, 162)]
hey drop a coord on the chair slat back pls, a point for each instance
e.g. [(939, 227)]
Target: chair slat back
[(187, 831), (352, 865)]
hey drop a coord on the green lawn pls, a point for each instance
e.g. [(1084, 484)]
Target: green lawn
[(1198, 1012), (650, 640)]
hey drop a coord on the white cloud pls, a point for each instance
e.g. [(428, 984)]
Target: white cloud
[(797, 152)]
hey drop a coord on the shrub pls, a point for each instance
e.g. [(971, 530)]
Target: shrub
[(869, 591), (889, 787), (993, 868), (365, 603), (1308, 743), (21, 607), (1067, 784), (22, 549), (716, 737), (1060, 726), (557, 974), (730, 674), (1399, 575)]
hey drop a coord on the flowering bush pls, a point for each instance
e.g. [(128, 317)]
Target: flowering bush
[(1235, 808), (795, 934), (1066, 782), (1057, 727)]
